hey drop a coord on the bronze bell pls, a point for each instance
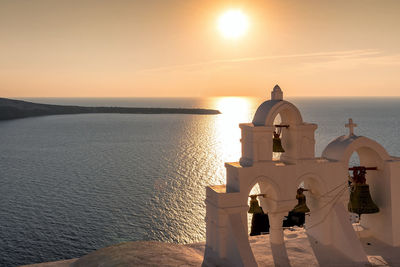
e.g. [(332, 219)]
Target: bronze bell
[(276, 143), (254, 206), (259, 223), (294, 218), (360, 198), (361, 201), (301, 206)]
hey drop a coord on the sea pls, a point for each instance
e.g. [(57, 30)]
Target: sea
[(71, 184)]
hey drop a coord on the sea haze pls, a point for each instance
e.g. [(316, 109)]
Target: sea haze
[(71, 184)]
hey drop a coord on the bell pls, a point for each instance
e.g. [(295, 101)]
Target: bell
[(301, 206), (254, 206), (259, 223), (294, 218), (276, 144), (361, 201)]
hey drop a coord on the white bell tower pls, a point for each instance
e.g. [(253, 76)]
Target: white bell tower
[(326, 178)]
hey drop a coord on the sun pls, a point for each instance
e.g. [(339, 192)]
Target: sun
[(233, 24)]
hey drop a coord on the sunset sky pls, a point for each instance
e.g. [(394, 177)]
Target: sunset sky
[(83, 48)]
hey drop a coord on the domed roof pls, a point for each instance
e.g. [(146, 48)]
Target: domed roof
[(268, 110), (342, 148)]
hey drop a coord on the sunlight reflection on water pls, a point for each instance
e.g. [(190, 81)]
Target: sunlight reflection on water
[(234, 110), (201, 148)]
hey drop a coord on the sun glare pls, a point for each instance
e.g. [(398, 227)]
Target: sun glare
[(234, 110), (233, 24)]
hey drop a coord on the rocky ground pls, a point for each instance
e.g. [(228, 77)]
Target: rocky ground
[(150, 253)]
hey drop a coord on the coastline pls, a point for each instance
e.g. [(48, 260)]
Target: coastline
[(18, 109)]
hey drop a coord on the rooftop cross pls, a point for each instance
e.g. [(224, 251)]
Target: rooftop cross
[(351, 126)]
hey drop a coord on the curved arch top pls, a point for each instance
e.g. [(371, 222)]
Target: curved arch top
[(310, 175), (268, 110), (274, 191), (343, 147)]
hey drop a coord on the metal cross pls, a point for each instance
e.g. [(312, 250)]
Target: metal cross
[(351, 126)]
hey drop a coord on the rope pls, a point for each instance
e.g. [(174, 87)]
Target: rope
[(358, 231), (318, 197), (330, 210), (284, 200), (337, 196), (326, 194)]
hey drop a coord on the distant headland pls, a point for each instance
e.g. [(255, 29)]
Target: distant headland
[(16, 109)]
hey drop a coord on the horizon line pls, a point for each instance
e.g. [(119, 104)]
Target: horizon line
[(218, 96)]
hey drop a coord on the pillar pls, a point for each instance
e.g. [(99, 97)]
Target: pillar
[(278, 247)]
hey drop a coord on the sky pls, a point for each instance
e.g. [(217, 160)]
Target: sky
[(172, 48)]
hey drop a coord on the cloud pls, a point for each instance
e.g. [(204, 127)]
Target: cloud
[(379, 60), (324, 56)]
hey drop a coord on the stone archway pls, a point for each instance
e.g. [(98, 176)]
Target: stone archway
[(371, 154), (317, 188), (268, 110), (343, 147), (267, 186), (273, 196), (297, 139)]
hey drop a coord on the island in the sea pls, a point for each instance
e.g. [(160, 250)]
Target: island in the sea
[(15, 109)]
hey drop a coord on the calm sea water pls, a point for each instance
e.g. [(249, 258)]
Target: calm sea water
[(71, 184)]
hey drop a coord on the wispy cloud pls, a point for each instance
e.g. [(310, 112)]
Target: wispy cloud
[(333, 55), (379, 59)]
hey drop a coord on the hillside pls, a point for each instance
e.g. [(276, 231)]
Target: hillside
[(15, 109), (299, 250)]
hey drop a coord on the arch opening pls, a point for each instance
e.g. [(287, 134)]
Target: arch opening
[(308, 194), (368, 158), (269, 204), (285, 121), (257, 220), (288, 112), (354, 160), (266, 193), (296, 216), (268, 110), (278, 133), (315, 198)]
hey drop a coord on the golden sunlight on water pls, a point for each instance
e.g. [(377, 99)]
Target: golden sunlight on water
[(226, 132), (235, 110)]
